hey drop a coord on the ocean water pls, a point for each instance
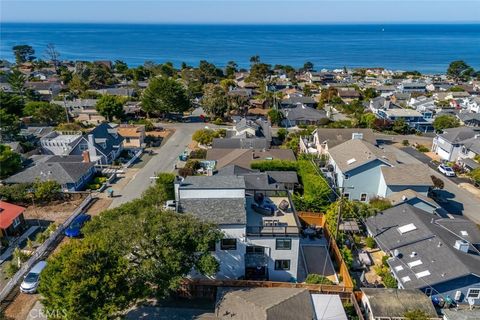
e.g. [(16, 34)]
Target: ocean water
[(423, 47)]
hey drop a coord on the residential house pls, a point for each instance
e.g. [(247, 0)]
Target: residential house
[(439, 256), (393, 304), (414, 198), (71, 172), (83, 110), (385, 90), (134, 136), (303, 115), (294, 101), (246, 134), (268, 180), (473, 104), (12, 221), (349, 95), (276, 304), (362, 171), (244, 157), (424, 105), (400, 98), (461, 314), (469, 119), (410, 87), (320, 77), (46, 89), (381, 103), (103, 143), (413, 118), (323, 139), (449, 144), (261, 229)]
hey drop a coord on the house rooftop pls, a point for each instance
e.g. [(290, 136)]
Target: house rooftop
[(407, 175), (8, 213), (283, 220), (398, 112), (334, 137), (397, 198), (392, 303), (356, 152), (244, 157), (212, 182), (459, 134), (222, 211)]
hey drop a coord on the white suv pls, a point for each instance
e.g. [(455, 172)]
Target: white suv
[(446, 170)]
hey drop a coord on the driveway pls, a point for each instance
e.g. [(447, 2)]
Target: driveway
[(457, 201), (163, 161)]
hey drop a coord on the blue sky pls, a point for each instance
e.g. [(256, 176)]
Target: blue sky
[(241, 11)]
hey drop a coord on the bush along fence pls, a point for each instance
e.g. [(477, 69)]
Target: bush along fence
[(42, 250)]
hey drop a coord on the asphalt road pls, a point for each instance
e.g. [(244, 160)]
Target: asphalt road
[(453, 199), (163, 161)]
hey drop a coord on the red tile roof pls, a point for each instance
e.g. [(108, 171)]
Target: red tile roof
[(8, 213)]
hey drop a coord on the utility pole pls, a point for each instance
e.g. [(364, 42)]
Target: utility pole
[(339, 215)]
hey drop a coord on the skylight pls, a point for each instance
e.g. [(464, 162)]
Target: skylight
[(414, 263), (406, 279), (464, 233), (407, 228), (351, 161), (398, 268), (422, 274)]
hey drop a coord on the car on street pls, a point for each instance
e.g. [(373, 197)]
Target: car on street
[(446, 170), (74, 229), (31, 280)]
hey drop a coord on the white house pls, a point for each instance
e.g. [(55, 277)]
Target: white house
[(261, 231), (449, 144)]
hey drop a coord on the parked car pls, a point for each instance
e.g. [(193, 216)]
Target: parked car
[(31, 280), (446, 170), (73, 229)]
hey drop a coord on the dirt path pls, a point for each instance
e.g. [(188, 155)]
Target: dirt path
[(21, 306)]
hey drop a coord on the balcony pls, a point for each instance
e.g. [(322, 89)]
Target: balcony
[(273, 231)]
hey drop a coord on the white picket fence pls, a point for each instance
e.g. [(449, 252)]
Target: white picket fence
[(40, 251)]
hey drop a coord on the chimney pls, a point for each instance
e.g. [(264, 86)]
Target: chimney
[(86, 157), (91, 147)]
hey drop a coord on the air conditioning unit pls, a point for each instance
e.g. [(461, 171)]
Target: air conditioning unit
[(458, 295)]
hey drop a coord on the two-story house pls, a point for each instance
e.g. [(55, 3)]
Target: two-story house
[(449, 144), (439, 256), (362, 172), (322, 139), (413, 118), (246, 134), (261, 229)]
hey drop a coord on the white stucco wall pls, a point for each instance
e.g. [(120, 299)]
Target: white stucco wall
[(232, 262)]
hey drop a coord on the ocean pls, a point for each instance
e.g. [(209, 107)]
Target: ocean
[(423, 47)]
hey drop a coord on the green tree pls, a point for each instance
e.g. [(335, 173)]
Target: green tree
[(308, 66), (255, 59), (205, 136), (110, 107), (230, 69), (282, 134), (11, 103), (275, 116), (10, 161), (9, 126), (444, 122), (368, 120), (207, 72), (44, 112), (416, 315), (459, 70), (120, 66), (259, 72), (16, 80), (369, 93), (23, 53), (214, 100), (400, 126), (77, 85), (164, 95), (116, 265), (46, 191)]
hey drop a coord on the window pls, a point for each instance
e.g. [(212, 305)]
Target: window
[(347, 176), (363, 197), (229, 244), (346, 195), (473, 293), (282, 264), (16, 222), (255, 249), (283, 244), (127, 140), (83, 147)]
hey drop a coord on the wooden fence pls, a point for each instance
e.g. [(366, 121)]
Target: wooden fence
[(319, 220)]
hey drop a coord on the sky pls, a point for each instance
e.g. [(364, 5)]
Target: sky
[(241, 11)]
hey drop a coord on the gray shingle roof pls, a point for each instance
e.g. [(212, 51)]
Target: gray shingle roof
[(432, 240), (355, 153), (396, 302), (334, 137), (240, 143), (458, 135), (105, 133), (266, 303), (68, 169), (213, 182), (304, 113), (407, 175), (220, 211)]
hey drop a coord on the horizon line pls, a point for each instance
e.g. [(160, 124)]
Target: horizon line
[(252, 23)]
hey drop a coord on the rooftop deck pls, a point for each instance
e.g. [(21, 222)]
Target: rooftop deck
[(282, 222)]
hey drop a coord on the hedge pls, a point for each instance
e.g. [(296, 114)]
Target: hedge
[(274, 165)]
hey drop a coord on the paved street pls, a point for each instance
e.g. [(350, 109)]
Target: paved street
[(164, 161), (458, 201)]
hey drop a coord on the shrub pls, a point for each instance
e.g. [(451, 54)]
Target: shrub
[(380, 204), (437, 182), (205, 136), (416, 315), (218, 122), (370, 242), (185, 172), (384, 261), (11, 268), (422, 148), (192, 164), (405, 142), (313, 278), (100, 180), (347, 256), (389, 281), (18, 193), (93, 186), (198, 154), (274, 165), (282, 134)]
